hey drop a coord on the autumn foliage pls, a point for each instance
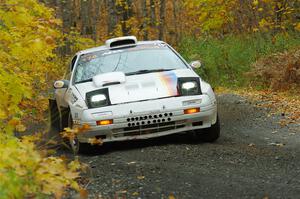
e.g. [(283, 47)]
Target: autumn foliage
[(28, 33), (171, 20), (227, 35), (26, 172), (38, 38), (221, 17), (28, 37)]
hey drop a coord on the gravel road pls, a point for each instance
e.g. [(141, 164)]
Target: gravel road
[(254, 158)]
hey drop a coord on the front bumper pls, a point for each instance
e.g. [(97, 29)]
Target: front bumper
[(149, 119)]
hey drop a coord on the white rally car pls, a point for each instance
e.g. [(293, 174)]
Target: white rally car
[(129, 89)]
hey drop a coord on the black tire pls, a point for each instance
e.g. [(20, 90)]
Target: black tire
[(76, 146), (210, 134)]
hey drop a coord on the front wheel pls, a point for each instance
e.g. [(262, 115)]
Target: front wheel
[(73, 143), (210, 134)]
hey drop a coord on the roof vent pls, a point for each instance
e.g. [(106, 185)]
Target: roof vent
[(121, 41)]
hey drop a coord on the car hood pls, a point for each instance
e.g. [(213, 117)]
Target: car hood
[(141, 87)]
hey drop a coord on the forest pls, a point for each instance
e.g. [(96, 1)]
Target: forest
[(204, 29), (242, 44)]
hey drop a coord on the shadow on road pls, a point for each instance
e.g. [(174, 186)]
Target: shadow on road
[(179, 139)]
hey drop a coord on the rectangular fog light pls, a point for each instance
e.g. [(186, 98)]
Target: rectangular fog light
[(104, 122), (191, 110)]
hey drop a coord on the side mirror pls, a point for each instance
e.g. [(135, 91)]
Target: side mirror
[(61, 84), (195, 64)]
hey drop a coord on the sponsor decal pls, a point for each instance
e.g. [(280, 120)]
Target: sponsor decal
[(169, 80)]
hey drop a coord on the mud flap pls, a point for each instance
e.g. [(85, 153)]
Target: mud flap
[(54, 120)]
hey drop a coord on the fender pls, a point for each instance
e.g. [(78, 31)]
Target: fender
[(60, 95)]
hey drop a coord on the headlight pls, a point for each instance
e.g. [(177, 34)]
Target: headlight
[(189, 86), (98, 98)]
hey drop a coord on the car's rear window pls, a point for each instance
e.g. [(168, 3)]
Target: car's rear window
[(127, 60)]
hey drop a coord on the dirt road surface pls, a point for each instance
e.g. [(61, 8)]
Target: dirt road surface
[(254, 158)]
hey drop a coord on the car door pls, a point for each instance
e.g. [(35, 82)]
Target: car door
[(62, 94)]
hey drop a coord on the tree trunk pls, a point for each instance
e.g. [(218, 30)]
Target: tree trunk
[(152, 13), (84, 15), (126, 10), (95, 19), (162, 19), (145, 20), (67, 21), (175, 13), (112, 17)]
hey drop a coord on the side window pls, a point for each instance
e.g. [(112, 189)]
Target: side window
[(73, 62), (68, 71)]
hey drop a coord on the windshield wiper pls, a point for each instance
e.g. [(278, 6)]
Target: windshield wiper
[(147, 71), (83, 81)]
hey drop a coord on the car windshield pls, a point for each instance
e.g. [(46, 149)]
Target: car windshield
[(133, 60)]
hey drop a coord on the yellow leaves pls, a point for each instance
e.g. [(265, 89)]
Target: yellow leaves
[(37, 45), (2, 115), (78, 42), (20, 128), (16, 123), (279, 102), (209, 15), (56, 22), (31, 138), (24, 171), (203, 16), (28, 40), (83, 193), (74, 165), (69, 130), (27, 43), (95, 141), (135, 193), (297, 27), (130, 163), (219, 16), (55, 176), (276, 144), (84, 127), (49, 40), (71, 133), (140, 177), (70, 174), (264, 23), (171, 196), (251, 145), (255, 3)]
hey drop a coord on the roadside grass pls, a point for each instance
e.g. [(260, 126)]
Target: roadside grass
[(227, 60), (235, 64)]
